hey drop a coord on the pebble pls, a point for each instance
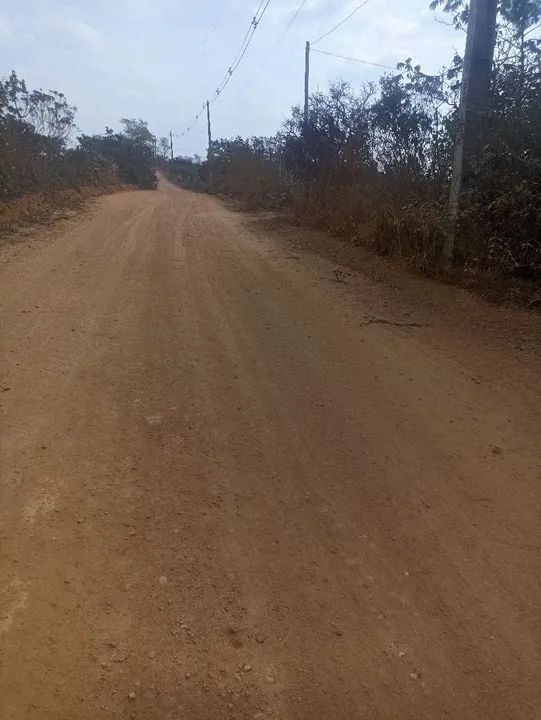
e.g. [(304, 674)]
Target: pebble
[(131, 695), (163, 580), (413, 676), (247, 667)]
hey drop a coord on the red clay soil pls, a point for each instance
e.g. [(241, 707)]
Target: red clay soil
[(240, 481)]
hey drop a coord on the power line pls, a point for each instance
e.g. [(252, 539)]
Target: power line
[(341, 22), (247, 34), (203, 48), (209, 32), (277, 43), (193, 122), (290, 23), (352, 59), (531, 30), (244, 48), (246, 41)]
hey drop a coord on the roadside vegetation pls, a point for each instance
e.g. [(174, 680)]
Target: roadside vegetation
[(38, 152), (374, 162)]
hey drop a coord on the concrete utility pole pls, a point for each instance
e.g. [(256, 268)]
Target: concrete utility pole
[(306, 83), (209, 130), (474, 97), (171, 143)]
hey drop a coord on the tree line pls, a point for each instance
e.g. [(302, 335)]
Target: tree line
[(37, 153), (374, 162)]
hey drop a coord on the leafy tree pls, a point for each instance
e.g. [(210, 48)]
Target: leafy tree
[(520, 13), (137, 132), (163, 147), (188, 172), (47, 112), (131, 152), (34, 128), (336, 143)]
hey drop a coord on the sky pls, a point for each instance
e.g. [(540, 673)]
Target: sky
[(161, 59)]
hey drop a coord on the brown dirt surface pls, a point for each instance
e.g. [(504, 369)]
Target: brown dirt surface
[(242, 480), (19, 217)]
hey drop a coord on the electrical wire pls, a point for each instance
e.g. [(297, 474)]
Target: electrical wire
[(244, 48), (203, 48), (277, 43), (290, 23), (246, 41), (356, 10), (247, 35), (352, 59), (531, 30)]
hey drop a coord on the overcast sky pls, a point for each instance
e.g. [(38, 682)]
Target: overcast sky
[(160, 59)]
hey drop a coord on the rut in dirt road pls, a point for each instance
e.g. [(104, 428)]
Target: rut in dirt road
[(225, 494)]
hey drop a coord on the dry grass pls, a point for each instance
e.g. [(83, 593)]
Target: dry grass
[(46, 208)]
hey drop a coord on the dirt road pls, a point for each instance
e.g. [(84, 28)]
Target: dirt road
[(233, 488)]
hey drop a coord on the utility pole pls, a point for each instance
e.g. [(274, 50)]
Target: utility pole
[(306, 83), (171, 143), (209, 130), (474, 98)]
